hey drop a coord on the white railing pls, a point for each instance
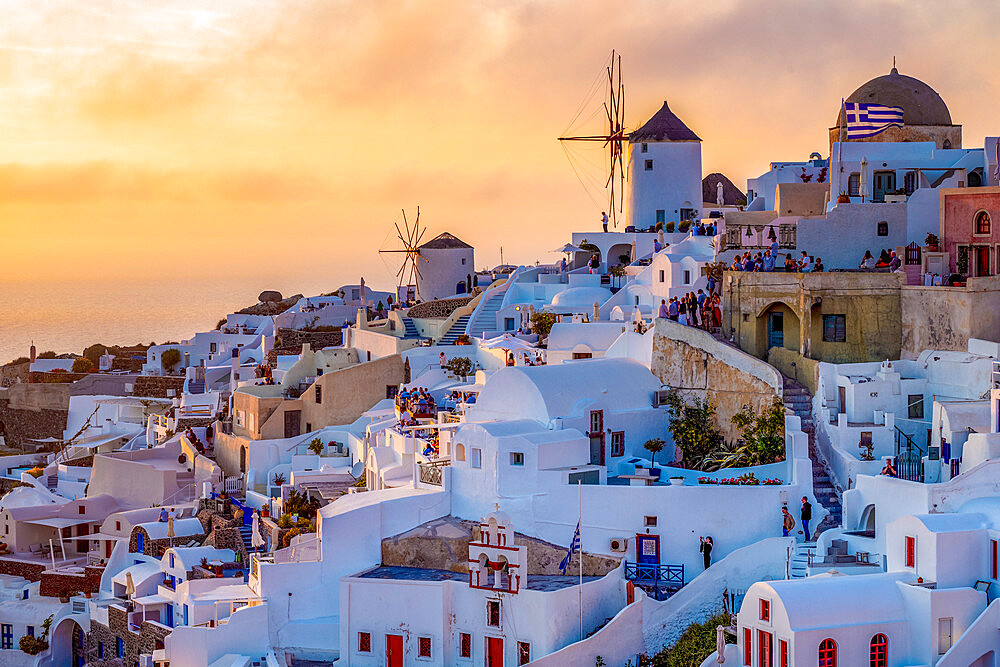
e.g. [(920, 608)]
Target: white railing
[(234, 484), (186, 493)]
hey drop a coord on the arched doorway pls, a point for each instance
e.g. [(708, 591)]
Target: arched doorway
[(460, 288), (777, 326), (243, 459), (66, 640), (867, 522), (468, 283), (620, 254)]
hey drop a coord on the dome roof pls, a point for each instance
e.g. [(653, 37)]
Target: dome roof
[(580, 297), (921, 104)]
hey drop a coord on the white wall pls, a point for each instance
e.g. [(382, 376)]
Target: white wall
[(674, 179)]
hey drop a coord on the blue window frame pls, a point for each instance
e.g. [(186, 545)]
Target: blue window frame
[(120, 647), (6, 636), (31, 631)]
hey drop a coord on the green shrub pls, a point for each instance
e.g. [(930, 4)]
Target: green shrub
[(82, 365), (47, 355), (460, 366), (684, 226), (170, 358), (541, 322), (696, 644), (693, 427), (669, 227), (315, 446)]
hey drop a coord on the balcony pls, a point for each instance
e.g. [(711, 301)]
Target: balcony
[(660, 581)]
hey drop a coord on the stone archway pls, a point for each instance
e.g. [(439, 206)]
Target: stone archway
[(777, 326)]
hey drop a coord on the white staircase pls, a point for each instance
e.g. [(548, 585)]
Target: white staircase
[(798, 568)]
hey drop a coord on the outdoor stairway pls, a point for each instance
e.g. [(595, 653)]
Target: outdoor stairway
[(196, 387), (410, 328), (798, 399), (246, 534), (51, 482), (800, 560), (456, 330), (486, 318)]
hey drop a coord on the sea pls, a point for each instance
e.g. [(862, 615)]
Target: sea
[(68, 316)]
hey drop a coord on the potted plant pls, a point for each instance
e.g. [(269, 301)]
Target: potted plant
[(932, 243), (316, 446), (842, 198), (279, 479)]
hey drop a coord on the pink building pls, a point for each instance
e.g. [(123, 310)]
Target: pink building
[(970, 229)]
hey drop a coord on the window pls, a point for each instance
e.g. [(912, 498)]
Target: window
[(853, 184), (319, 394), (915, 406), (834, 328), (463, 260), (910, 548), (648, 165), (476, 457), (81, 509), (878, 651), (650, 521), (882, 229), (747, 646), (212, 348), (645, 148), (171, 559), (944, 635), (993, 559), (661, 215), (309, 428), (827, 653), (662, 275), (687, 277), (910, 182), (423, 647), (618, 443), (118, 525), (517, 458), (782, 653), (6, 635), (24, 594), (523, 653), (464, 645), (119, 647), (100, 651), (364, 642), (31, 631), (982, 223), (765, 610), (596, 421), (493, 613), (459, 452), (583, 355), (508, 324)]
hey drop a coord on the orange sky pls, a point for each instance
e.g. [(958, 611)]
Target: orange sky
[(271, 137)]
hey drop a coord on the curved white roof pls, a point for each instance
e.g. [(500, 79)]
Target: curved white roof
[(29, 496), (833, 600), (543, 393), (185, 558), (701, 248), (595, 335), (580, 297), (182, 528)]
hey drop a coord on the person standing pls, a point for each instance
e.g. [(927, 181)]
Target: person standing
[(673, 310), (562, 265), (787, 522), (664, 312), (706, 550), (806, 515), (604, 220)]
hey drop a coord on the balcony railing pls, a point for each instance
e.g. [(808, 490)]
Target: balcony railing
[(660, 580), (430, 474)]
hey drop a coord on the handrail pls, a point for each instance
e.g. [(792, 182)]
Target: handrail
[(486, 295), (169, 499), (910, 442)]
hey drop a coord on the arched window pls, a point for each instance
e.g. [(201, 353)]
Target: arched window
[(827, 653), (459, 452), (983, 225), (878, 655)]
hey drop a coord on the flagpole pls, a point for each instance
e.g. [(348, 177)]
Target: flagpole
[(579, 522)]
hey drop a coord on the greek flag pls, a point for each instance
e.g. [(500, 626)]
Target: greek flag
[(867, 120), (574, 546)]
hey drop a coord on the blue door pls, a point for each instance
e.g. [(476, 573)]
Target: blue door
[(169, 618), (647, 549), (140, 542), (775, 330)]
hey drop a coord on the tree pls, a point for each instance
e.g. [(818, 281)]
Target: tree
[(47, 355), (617, 272), (655, 446), (82, 365), (170, 358), (693, 427), (541, 322), (762, 432), (94, 353), (460, 366), (19, 360), (316, 446)]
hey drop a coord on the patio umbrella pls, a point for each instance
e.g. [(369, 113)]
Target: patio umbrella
[(256, 540), (569, 247), (507, 342), (170, 529), (863, 181), (129, 585), (720, 644)]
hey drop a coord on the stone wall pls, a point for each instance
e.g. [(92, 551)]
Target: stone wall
[(30, 411), (443, 544), (698, 366), (292, 339), (438, 307), (29, 571), (62, 584), (156, 548), (945, 318), (156, 386), (149, 638), (13, 373), (227, 538)]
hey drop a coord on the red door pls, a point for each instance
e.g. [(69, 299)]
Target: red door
[(764, 648), (394, 650), (494, 652)]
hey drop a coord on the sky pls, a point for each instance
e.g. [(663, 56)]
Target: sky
[(145, 140)]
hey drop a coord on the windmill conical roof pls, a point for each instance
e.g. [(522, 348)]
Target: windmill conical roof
[(664, 126), (445, 240)]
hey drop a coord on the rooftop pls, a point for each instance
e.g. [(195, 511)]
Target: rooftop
[(536, 582)]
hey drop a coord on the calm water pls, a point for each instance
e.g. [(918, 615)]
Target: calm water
[(66, 317)]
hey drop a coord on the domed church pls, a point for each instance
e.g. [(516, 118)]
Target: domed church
[(925, 115)]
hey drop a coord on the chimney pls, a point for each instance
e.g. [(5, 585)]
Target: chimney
[(31, 352)]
